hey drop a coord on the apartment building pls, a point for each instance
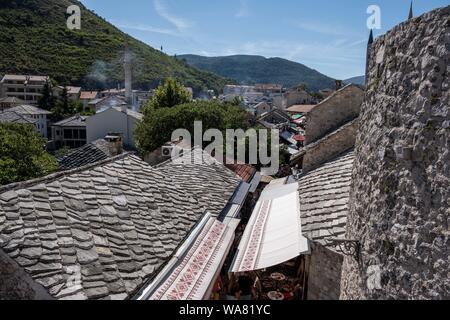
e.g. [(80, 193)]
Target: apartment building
[(24, 87)]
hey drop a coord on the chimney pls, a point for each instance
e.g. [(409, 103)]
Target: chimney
[(115, 144), (128, 75), (338, 84)]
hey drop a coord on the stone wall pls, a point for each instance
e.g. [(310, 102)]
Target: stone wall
[(338, 109), (330, 146), (400, 195), (15, 284), (324, 273)]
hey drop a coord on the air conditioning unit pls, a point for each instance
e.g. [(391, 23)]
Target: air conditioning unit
[(167, 151), (173, 152)]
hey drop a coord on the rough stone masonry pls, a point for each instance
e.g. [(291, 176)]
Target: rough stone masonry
[(400, 195)]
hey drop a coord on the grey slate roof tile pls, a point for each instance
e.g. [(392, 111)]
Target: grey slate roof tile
[(324, 196), (101, 231)]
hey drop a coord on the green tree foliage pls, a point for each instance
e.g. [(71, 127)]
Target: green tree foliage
[(158, 124), (47, 100), (22, 154), (170, 94)]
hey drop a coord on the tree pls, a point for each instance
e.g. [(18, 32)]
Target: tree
[(22, 154), (47, 100), (170, 94), (237, 101), (157, 126)]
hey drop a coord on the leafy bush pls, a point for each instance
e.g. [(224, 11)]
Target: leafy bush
[(22, 154)]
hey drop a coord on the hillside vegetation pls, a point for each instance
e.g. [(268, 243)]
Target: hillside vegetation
[(34, 39), (249, 69)]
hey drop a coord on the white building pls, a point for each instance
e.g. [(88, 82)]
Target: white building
[(119, 120), (237, 90), (24, 87), (37, 114)]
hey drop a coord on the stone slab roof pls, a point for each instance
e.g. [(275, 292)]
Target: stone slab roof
[(27, 109), (9, 116), (75, 121), (80, 157), (324, 197), (212, 184), (99, 232)]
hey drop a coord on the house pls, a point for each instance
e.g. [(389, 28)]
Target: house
[(27, 88), (73, 93), (120, 120), (87, 96), (99, 104), (115, 230), (293, 96), (93, 152), (37, 114), (9, 102), (311, 209), (324, 204), (261, 108), (269, 89), (15, 117), (338, 109), (323, 170), (237, 90), (273, 119), (70, 132)]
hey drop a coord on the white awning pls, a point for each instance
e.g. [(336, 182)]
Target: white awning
[(193, 276), (273, 234)]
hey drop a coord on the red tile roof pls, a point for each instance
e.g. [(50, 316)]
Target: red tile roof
[(88, 95), (245, 171)]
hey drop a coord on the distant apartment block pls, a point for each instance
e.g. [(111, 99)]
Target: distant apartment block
[(24, 87), (237, 90)]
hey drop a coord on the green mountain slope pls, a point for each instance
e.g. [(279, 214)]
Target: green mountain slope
[(34, 39), (356, 80), (256, 69)]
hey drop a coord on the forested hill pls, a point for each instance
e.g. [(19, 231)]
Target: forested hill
[(34, 39)]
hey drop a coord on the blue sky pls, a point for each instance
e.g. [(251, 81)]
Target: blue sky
[(327, 35)]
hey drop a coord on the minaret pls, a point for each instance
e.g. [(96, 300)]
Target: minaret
[(369, 48), (128, 75), (411, 15)]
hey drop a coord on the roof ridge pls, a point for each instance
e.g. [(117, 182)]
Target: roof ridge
[(59, 174)]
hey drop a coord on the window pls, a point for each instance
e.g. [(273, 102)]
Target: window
[(83, 134), (75, 133), (67, 133)]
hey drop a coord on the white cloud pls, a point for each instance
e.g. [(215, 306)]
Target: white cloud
[(243, 9), (146, 28), (331, 30), (180, 24)]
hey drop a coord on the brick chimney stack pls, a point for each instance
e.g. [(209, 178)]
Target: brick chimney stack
[(115, 144)]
